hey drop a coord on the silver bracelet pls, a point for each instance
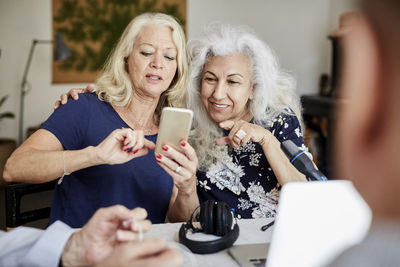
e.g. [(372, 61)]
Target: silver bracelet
[(65, 171)]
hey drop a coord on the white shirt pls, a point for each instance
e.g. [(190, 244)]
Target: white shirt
[(25, 246)]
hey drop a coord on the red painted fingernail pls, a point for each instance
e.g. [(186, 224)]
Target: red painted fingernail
[(183, 143), (135, 151), (126, 149), (165, 148), (158, 156), (158, 161), (127, 144)]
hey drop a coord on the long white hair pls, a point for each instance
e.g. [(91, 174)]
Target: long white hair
[(274, 89)]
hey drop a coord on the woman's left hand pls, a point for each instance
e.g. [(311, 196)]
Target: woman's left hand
[(242, 132), (182, 166), (122, 145)]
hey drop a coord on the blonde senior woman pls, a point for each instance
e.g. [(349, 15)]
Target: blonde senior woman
[(101, 145)]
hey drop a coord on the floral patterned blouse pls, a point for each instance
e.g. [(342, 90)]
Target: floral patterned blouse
[(244, 178)]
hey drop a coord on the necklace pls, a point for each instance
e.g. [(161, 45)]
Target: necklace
[(141, 125), (128, 117)]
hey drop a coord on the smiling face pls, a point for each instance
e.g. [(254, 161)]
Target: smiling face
[(152, 63), (226, 87)]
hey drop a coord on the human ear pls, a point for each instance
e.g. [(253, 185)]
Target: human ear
[(359, 118)]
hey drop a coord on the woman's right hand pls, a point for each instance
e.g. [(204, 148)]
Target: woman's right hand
[(121, 146), (74, 94)]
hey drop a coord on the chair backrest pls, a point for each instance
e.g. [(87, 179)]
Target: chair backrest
[(14, 193)]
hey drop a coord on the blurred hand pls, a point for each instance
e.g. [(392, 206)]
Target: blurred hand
[(74, 94), (182, 166), (121, 146), (102, 235), (147, 253), (242, 132)]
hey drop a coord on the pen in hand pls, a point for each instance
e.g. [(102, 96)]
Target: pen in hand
[(265, 227), (127, 224)]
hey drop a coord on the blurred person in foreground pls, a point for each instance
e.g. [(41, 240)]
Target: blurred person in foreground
[(108, 239), (368, 134)]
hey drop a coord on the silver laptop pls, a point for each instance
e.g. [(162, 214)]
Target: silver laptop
[(316, 222), (250, 255)]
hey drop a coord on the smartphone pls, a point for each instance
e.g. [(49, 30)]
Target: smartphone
[(174, 127)]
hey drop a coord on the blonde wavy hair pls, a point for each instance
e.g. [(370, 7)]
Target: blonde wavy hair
[(274, 89), (114, 85)]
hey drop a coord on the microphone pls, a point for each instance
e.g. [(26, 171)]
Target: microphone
[(301, 161)]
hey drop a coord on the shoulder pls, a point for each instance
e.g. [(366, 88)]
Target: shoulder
[(378, 248), (85, 100), (285, 119), (286, 125), (88, 98)]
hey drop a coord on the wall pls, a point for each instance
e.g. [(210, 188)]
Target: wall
[(295, 29), (21, 21)]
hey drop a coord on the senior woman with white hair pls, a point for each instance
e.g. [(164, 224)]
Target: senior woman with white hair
[(244, 106), (99, 145)]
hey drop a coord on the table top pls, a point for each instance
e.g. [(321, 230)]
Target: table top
[(250, 233)]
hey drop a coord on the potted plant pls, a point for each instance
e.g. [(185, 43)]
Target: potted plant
[(7, 145)]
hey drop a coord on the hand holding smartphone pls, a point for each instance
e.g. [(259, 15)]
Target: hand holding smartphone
[(175, 124)]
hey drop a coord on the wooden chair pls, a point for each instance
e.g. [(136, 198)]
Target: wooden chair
[(14, 193)]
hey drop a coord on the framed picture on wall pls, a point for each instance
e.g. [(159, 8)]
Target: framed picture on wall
[(91, 28)]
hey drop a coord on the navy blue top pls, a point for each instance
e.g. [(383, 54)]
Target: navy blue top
[(140, 182), (245, 179)]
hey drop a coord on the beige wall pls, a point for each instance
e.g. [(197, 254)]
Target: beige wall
[(295, 29)]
